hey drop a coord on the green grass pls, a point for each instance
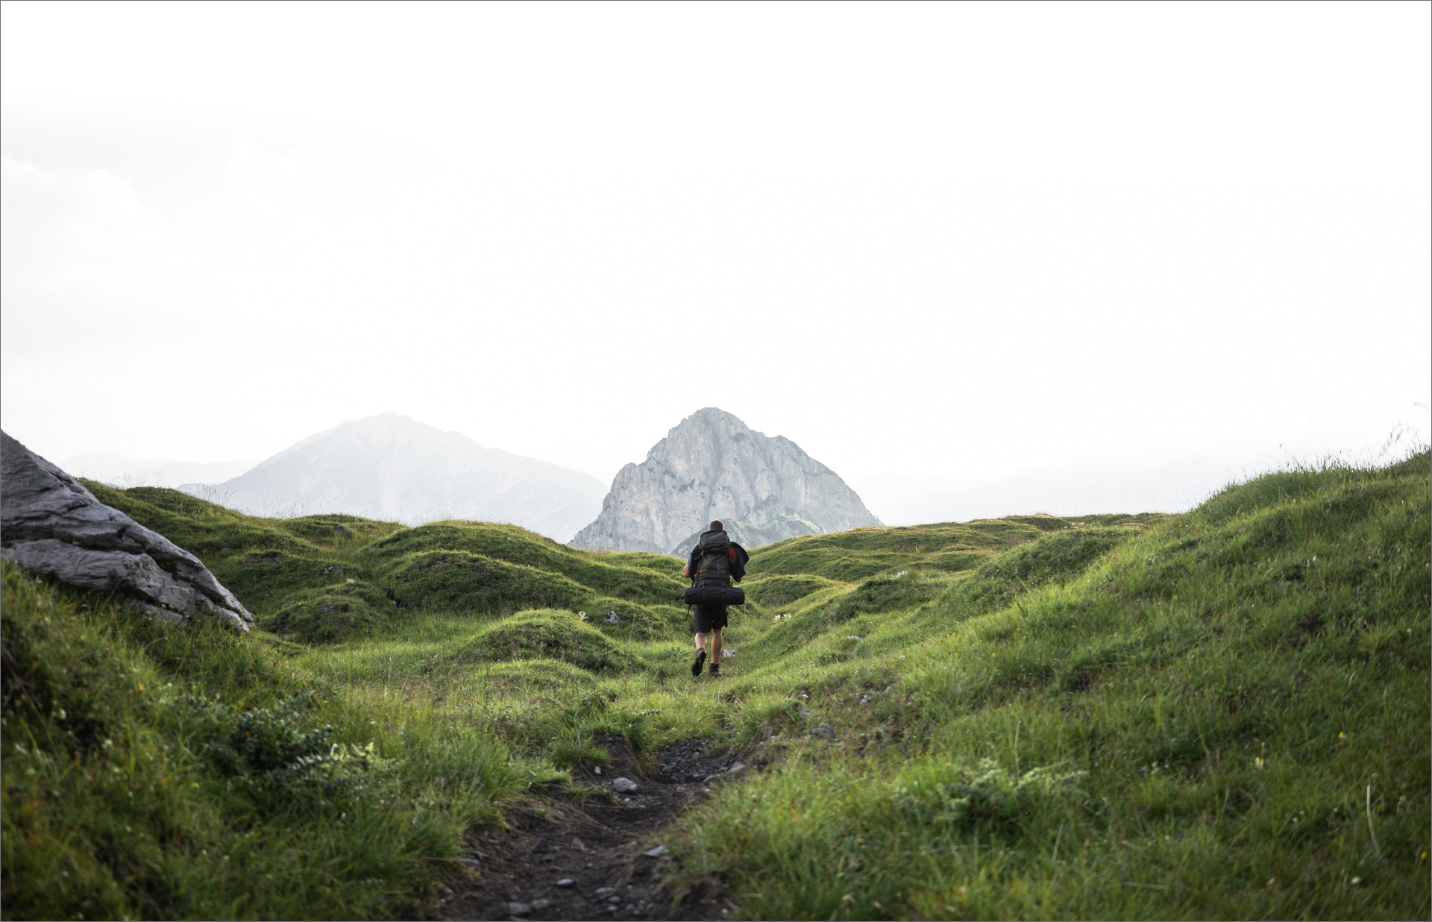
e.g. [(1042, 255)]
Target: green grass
[(1223, 713), (1237, 703), (127, 790), (865, 552)]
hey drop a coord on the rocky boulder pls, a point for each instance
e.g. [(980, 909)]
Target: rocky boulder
[(51, 526), (714, 466)]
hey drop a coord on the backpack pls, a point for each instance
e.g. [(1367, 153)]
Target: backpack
[(713, 566)]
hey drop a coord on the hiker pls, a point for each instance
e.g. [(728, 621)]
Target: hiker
[(716, 561)]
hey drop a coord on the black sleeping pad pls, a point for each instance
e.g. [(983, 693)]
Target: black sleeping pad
[(713, 595)]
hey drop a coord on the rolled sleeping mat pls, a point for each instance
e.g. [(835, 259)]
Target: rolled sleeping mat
[(713, 595)]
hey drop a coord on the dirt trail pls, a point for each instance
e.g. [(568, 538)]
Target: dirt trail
[(587, 857)]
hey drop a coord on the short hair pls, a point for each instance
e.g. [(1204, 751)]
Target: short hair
[(718, 525)]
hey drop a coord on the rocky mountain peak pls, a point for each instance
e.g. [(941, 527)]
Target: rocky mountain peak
[(712, 465)]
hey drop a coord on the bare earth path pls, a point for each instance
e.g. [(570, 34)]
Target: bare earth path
[(598, 856)]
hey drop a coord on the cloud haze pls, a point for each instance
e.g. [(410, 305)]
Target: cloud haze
[(948, 241)]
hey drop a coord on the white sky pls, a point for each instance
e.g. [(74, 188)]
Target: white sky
[(947, 241)]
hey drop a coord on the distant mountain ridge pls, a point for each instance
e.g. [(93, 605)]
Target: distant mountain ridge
[(712, 465), (393, 468), (122, 471), (1070, 488)]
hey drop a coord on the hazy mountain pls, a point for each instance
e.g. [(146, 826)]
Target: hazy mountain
[(713, 466), (390, 467), (1077, 488), (119, 470)]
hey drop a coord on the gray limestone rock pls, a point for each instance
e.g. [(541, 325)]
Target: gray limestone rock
[(713, 466), (50, 525)]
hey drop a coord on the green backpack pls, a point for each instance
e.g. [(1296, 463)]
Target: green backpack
[(713, 567)]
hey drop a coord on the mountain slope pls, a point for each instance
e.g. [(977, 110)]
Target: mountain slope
[(712, 465), (390, 467)]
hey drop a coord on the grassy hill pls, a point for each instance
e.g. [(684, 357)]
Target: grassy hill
[(1223, 713)]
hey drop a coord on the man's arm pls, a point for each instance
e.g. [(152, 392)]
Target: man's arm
[(738, 562)]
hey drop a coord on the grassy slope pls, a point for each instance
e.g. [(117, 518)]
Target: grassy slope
[(1189, 727), (118, 802), (1176, 684)]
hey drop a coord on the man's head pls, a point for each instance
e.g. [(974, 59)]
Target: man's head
[(717, 525)]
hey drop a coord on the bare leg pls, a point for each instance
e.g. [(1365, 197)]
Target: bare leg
[(697, 666), (716, 646)]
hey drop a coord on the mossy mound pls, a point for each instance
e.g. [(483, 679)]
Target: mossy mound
[(321, 616), (535, 675), (1054, 557), (825, 613), (905, 606), (780, 591), (268, 580), (464, 581), (851, 556), (638, 577), (544, 635)]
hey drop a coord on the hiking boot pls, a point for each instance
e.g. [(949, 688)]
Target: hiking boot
[(715, 669), (700, 660)]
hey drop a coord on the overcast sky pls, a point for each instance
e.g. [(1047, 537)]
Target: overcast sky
[(941, 240)]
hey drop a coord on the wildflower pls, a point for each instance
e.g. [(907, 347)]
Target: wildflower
[(1258, 762)]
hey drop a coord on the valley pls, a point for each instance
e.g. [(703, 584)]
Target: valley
[(1222, 713)]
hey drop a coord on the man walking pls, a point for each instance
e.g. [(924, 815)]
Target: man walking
[(715, 562)]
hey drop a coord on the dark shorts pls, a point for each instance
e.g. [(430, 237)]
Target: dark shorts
[(709, 618)]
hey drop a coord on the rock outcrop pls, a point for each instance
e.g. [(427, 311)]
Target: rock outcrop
[(713, 466), (50, 525)]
